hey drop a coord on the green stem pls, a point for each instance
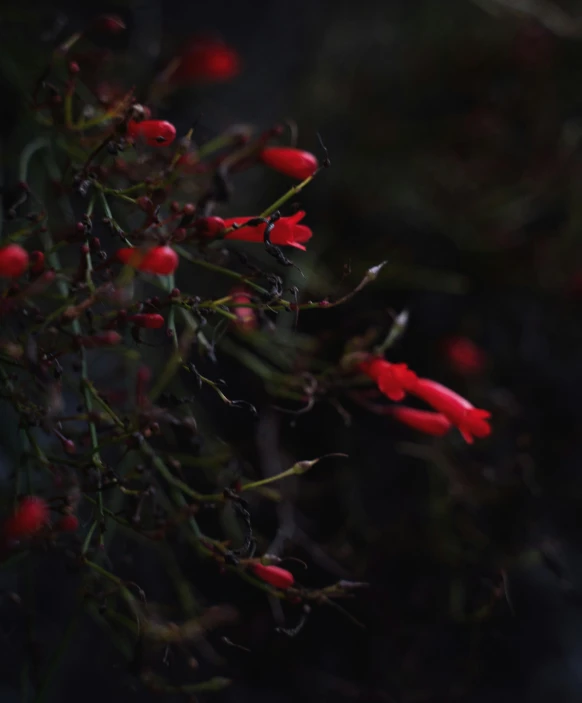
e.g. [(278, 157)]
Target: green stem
[(220, 269), (27, 153), (287, 196)]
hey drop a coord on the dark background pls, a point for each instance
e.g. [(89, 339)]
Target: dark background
[(454, 134)]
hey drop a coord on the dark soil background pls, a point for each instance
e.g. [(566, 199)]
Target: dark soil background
[(454, 131)]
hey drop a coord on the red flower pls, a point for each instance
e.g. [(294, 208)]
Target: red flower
[(465, 356), (435, 424), (68, 523), (246, 316), (290, 162), (206, 59), (159, 260), (274, 575), (149, 320), (13, 261), (286, 231), (29, 518), (470, 421), (153, 132), (393, 380)]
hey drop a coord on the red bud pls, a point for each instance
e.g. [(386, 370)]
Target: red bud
[(274, 575)]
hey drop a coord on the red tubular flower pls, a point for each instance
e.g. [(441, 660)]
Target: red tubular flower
[(274, 575), (68, 523), (13, 261), (29, 518), (148, 320), (206, 59), (286, 232), (290, 162), (246, 316), (435, 424), (393, 380), (159, 260), (153, 132), (470, 421), (465, 356)]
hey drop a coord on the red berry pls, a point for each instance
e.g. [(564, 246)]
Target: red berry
[(290, 162), (13, 261), (274, 575), (68, 523), (188, 209), (74, 67), (29, 518)]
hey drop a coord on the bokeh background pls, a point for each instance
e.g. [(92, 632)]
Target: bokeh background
[(454, 131)]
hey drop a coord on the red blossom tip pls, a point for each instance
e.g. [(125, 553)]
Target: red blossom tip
[(206, 60), (162, 261), (274, 575), (152, 321), (13, 261), (210, 226), (106, 339), (152, 132), (291, 162), (465, 356)]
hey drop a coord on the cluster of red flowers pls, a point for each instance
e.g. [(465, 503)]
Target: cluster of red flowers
[(395, 381)]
